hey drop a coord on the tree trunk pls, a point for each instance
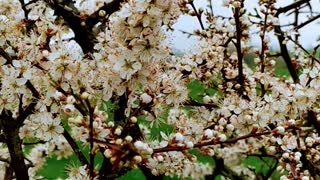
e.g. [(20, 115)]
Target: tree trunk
[(13, 142)]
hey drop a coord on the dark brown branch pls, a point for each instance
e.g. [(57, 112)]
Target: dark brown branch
[(29, 110), (197, 14), (34, 143), (291, 6), (91, 153), (83, 160), (211, 7), (263, 49), (109, 8), (4, 160), (212, 142), (121, 101), (83, 36), (312, 120), (8, 173), (308, 21), (305, 50), (13, 142), (238, 46), (33, 90), (6, 56), (285, 53), (82, 26), (194, 103), (24, 8), (2, 138)]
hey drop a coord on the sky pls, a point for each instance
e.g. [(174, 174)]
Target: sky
[(309, 34)]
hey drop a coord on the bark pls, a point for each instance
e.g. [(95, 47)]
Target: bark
[(14, 143)]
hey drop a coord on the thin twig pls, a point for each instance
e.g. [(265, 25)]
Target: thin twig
[(308, 21), (83, 160), (197, 14), (291, 6), (212, 142), (91, 154)]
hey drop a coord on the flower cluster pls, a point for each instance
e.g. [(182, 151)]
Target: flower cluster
[(131, 100)]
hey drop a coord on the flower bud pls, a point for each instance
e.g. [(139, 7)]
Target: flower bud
[(84, 95), (102, 13), (107, 153), (285, 155), (118, 131), (208, 133), (128, 138), (119, 141), (222, 137), (145, 98), (179, 137), (133, 119), (71, 99), (160, 158)]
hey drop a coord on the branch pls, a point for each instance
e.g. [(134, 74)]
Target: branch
[(8, 173), (109, 8), (25, 10), (6, 56), (312, 120), (212, 142), (308, 21), (291, 6), (80, 25), (83, 160), (122, 105), (305, 50), (2, 138), (91, 153), (197, 14), (194, 103), (13, 142), (238, 47), (285, 53), (34, 143), (4, 160), (76, 105), (83, 36), (29, 110)]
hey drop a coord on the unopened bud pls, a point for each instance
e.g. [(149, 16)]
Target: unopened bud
[(102, 13), (84, 95), (128, 138), (133, 119), (107, 153), (71, 100), (137, 159)]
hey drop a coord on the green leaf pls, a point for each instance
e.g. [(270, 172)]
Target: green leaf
[(135, 174), (197, 90)]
